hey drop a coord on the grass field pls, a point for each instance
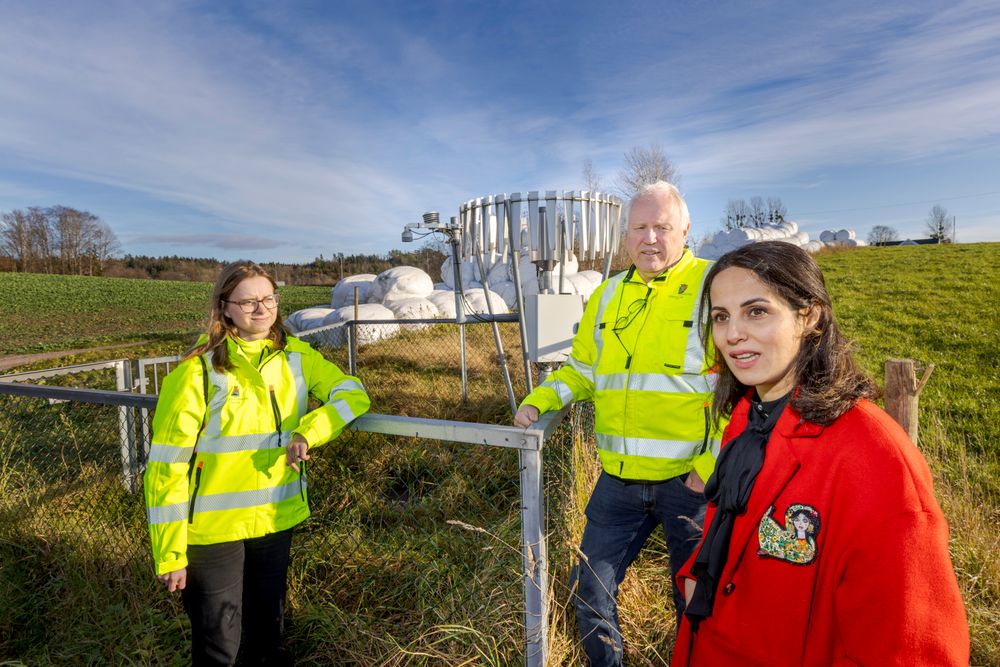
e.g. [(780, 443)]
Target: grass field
[(45, 312), (933, 304)]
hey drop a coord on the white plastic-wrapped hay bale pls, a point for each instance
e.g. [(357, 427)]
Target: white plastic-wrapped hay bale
[(507, 291), (475, 303), (491, 261), (595, 277), (789, 227), (400, 282), (369, 333), (827, 236), (307, 318), (466, 268), (707, 250), (582, 285), (343, 292), (413, 308), (444, 300), (570, 267), (814, 246), (499, 273), (845, 235)]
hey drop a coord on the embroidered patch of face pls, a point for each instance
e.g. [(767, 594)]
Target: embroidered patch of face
[(794, 542)]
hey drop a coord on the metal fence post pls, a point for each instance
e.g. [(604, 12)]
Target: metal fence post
[(126, 428), (534, 558)]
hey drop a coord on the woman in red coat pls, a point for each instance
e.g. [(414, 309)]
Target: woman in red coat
[(823, 542)]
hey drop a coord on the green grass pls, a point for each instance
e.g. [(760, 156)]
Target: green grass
[(53, 312), (382, 578)]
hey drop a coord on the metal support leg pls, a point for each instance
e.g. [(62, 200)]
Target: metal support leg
[(534, 559), (126, 429)]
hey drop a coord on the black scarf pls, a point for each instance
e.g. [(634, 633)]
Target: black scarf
[(729, 488)]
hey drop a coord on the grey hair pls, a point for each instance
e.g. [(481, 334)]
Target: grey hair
[(656, 188)]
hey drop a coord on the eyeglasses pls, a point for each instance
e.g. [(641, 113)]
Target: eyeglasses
[(631, 313), (250, 305), (623, 322)]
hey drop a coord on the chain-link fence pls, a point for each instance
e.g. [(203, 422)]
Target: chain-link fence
[(422, 549), (441, 370)]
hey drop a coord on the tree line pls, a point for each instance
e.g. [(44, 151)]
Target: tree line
[(63, 240), (56, 239)]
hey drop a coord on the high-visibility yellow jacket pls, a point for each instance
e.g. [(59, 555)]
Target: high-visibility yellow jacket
[(217, 469), (638, 356)]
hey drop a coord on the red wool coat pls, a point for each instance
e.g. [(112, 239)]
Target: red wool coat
[(840, 559)]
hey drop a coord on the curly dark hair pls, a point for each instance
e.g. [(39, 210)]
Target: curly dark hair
[(828, 380)]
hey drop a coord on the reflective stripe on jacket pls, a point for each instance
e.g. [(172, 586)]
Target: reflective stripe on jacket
[(217, 470), (638, 355)]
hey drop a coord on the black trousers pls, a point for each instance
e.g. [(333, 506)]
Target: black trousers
[(234, 585)]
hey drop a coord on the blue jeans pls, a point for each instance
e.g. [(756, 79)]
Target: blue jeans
[(620, 518)]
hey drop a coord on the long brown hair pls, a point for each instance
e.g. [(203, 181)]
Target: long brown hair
[(828, 380), (220, 327)]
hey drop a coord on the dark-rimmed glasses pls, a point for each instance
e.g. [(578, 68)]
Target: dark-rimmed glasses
[(249, 306)]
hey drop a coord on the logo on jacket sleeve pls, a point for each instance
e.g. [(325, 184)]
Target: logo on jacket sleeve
[(794, 542)]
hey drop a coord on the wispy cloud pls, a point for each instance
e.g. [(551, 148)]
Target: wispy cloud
[(330, 129)]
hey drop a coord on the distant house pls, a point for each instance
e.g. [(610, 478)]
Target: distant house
[(910, 242)]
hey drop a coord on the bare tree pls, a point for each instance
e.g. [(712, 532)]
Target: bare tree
[(644, 166), (101, 245), (882, 234), (57, 239), (939, 224), (776, 211), (15, 239), (42, 239), (592, 181), (737, 215), (757, 211)]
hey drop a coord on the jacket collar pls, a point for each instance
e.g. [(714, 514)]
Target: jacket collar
[(681, 265)]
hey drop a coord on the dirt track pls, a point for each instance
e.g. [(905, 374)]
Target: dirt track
[(15, 360)]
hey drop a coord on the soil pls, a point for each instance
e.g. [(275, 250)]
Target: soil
[(14, 360)]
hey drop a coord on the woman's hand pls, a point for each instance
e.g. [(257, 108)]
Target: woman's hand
[(526, 416), (297, 451), (174, 581), (695, 482), (689, 585)]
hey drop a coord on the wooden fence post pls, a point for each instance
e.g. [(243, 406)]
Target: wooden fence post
[(902, 392)]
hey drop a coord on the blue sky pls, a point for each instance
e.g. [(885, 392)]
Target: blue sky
[(286, 130)]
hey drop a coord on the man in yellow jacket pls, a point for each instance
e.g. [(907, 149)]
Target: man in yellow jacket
[(638, 356)]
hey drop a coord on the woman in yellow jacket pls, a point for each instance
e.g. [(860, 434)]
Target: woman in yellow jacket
[(226, 478)]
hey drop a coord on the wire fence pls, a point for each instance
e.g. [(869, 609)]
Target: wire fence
[(423, 548), (444, 370)]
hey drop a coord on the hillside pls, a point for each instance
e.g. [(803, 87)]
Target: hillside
[(933, 304)]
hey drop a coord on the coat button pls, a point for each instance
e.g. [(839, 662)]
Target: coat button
[(728, 588)]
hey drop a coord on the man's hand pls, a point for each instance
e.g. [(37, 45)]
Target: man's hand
[(297, 451), (526, 416), (174, 581), (695, 482)]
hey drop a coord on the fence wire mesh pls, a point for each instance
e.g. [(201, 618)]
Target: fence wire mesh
[(418, 371)]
